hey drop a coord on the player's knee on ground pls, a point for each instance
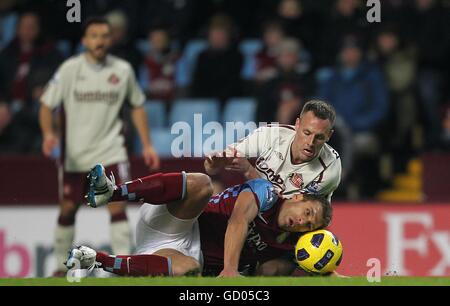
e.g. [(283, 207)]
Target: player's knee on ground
[(180, 263), (185, 266), (199, 186)]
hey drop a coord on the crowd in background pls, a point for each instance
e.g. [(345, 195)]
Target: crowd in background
[(388, 81)]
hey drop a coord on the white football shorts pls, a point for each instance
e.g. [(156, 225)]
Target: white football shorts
[(158, 229)]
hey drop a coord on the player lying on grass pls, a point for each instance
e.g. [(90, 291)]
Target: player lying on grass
[(186, 230)]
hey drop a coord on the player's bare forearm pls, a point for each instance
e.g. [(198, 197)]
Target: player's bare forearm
[(139, 118), (245, 211), (45, 120), (234, 242), (49, 139)]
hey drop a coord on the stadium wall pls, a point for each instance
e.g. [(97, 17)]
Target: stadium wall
[(404, 239)]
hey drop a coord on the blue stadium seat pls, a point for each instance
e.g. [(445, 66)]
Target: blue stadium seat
[(8, 29), (156, 113), (183, 112), (323, 74), (161, 140), (188, 60), (64, 47), (249, 48), (143, 77), (143, 46), (239, 110), (80, 48)]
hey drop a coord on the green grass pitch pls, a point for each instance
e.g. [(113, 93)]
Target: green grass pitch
[(247, 281)]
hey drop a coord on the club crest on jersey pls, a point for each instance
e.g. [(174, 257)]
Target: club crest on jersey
[(113, 79), (296, 180)]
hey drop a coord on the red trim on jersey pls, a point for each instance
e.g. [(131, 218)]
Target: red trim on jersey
[(287, 126)]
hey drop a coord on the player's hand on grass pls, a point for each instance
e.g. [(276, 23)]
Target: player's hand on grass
[(49, 142), (335, 274), (151, 158), (229, 273)]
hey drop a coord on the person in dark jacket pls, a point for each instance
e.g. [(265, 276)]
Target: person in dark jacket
[(281, 98), (356, 88), (218, 68)]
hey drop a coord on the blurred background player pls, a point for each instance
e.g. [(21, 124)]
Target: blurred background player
[(92, 89)]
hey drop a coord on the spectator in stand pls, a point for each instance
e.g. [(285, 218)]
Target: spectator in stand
[(297, 22), (29, 55), (282, 97), (266, 59), (445, 137), (218, 69), (122, 45), (160, 64), (398, 63), (430, 32), (26, 64), (357, 90), (182, 18), (345, 18)]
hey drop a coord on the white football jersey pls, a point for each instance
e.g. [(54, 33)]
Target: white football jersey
[(271, 146), (92, 97)]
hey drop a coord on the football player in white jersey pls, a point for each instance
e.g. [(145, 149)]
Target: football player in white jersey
[(91, 88), (296, 159)]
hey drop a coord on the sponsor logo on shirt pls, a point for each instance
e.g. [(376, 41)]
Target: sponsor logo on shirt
[(109, 97), (262, 166), (254, 239)]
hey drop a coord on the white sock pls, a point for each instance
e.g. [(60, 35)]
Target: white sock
[(121, 238), (63, 243)]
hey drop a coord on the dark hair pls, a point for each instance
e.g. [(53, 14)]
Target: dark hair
[(94, 20), (320, 109), (327, 210)]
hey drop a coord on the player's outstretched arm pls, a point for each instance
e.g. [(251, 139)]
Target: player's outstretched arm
[(244, 212)]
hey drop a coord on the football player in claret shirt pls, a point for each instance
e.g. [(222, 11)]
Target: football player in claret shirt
[(186, 230)]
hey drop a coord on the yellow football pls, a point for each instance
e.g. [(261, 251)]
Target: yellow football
[(318, 252)]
